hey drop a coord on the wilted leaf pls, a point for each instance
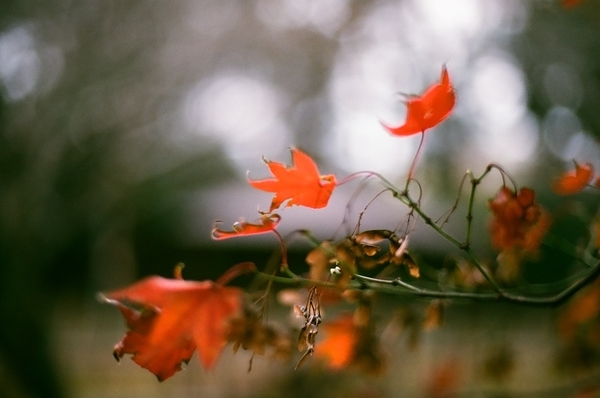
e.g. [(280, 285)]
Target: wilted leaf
[(517, 228), (428, 110), (370, 250), (372, 237), (177, 317), (299, 184), (574, 181), (517, 220), (319, 260), (312, 319), (252, 334), (413, 268), (267, 223), (307, 336), (367, 241), (329, 255), (399, 249)]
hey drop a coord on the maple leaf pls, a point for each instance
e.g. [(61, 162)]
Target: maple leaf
[(429, 109), (299, 184), (267, 223), (176, 317), (574, 181)]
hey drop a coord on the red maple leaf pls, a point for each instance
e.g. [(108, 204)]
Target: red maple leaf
[(299, 184), (267, 223), (574, 181), (176, 317), (428, 110)]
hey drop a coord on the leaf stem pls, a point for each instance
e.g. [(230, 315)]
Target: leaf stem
[(414, 162), (284, 260)]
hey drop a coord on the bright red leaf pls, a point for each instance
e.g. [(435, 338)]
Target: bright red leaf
[(175, 318), (299, 184), (574, 181), (267, 223), (428, 110)]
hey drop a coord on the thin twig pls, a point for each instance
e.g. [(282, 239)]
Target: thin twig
[(414, 162)]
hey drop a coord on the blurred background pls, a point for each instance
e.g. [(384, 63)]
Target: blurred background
[(128, 127)]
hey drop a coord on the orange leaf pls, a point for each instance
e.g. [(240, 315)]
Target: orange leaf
[(338, 348), (583, 309), (574, 181), (428, 110), (299, 184), (268, 223), (177, 317)]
